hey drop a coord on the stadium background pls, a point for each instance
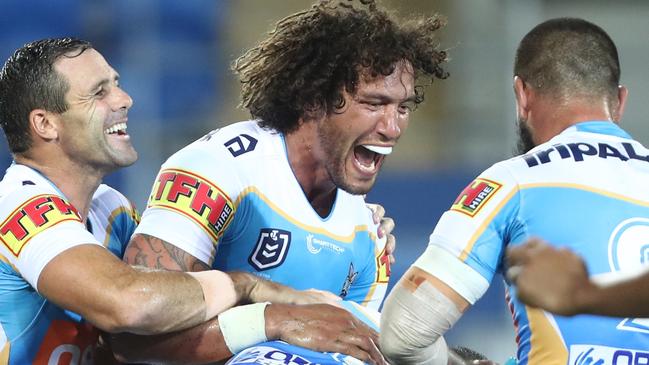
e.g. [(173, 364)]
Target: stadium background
[(173, 57)]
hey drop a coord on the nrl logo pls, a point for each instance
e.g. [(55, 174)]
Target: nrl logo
[(271, 249)]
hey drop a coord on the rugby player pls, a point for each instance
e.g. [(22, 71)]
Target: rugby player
[(331, 91), (62, 233), (580, 183)]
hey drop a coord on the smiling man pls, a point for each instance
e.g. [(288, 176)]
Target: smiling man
[(62, 232), (331, 90)]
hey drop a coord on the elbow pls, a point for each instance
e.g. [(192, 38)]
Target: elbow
[(393, 345), (130, 310), (126, 317)]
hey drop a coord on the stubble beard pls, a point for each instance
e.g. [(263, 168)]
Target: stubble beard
[(335, 163), (525, 139)]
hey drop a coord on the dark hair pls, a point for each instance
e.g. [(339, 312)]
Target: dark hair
[(467, 354), (28, 81), (569, 57), (301, 68)]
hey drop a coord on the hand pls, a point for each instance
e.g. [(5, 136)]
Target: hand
[(325, 328), (386, 225), (549, 278), (262, 290)]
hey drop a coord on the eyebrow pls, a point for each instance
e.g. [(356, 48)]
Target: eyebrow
[(105, 81), (384, 98)]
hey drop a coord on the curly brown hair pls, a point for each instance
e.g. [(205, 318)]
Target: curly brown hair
[(300, 70)]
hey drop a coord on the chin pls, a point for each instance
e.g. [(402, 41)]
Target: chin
[(358, 188)]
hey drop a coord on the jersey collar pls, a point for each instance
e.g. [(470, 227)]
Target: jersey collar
[(600, 127)]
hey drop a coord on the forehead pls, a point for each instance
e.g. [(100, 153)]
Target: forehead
[(401, 82), (85, 69)]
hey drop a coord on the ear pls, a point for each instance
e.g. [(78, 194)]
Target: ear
[(43, 125), (622, 93), (522, 98)]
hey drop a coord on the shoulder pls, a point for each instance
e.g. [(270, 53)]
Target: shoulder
[(231, 144), (111, 200)]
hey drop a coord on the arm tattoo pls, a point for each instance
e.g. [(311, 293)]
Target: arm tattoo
[(152, 252)]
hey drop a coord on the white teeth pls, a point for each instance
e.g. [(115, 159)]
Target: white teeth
[(378, 149), (116, 128)]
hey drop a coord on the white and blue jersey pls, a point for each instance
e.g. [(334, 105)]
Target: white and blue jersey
[(36, 224), (282, 353), (231, 200), (585, 189)]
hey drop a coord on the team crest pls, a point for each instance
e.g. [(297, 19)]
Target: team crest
[(271, 249), (475, 196), (351, 276)]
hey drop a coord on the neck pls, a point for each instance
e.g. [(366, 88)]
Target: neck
[(303, 156), (78, 184), (562, 117)]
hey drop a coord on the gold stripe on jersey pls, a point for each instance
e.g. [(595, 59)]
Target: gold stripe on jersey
[(6, 261), (546, 345), (588, 188), (194, 197), (132, 213), (34, 216), (469, 246), (343, 239), (4, 354)]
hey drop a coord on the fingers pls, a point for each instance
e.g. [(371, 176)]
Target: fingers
[(378, 212), (316, 296), (520, 255), (386, 227), (390, 247), (363, 348)]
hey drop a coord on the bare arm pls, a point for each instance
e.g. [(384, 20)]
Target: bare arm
[(557, 280), (319, 327), (89, 280)]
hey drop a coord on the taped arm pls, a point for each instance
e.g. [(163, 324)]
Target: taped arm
[(423, 306)]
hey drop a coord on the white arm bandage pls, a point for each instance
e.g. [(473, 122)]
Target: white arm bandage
[(243, 326), (412, 325)]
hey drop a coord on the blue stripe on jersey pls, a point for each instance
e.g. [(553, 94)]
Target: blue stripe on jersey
[(308, 248), (603, 127)]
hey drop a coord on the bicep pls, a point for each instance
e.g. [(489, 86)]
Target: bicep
[(149, 251)]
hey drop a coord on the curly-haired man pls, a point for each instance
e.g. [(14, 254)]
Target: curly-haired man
[(331, 91)]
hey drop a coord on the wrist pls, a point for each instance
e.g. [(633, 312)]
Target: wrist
[(586, 298), (243, 326), (244, 285)]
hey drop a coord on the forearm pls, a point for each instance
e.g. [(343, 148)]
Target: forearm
[(116, 298), (415, 316), (197, 345), (629, 298)]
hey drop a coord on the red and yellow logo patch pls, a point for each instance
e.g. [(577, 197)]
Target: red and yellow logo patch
[(195, 197), (33, 217), (382, 267), (475, 196)]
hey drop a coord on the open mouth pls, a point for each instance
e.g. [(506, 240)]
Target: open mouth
[(118, 129), (369, 157)]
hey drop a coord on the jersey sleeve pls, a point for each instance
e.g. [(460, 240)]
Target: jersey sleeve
[(190, 205), (466, 247), (36, 226)]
